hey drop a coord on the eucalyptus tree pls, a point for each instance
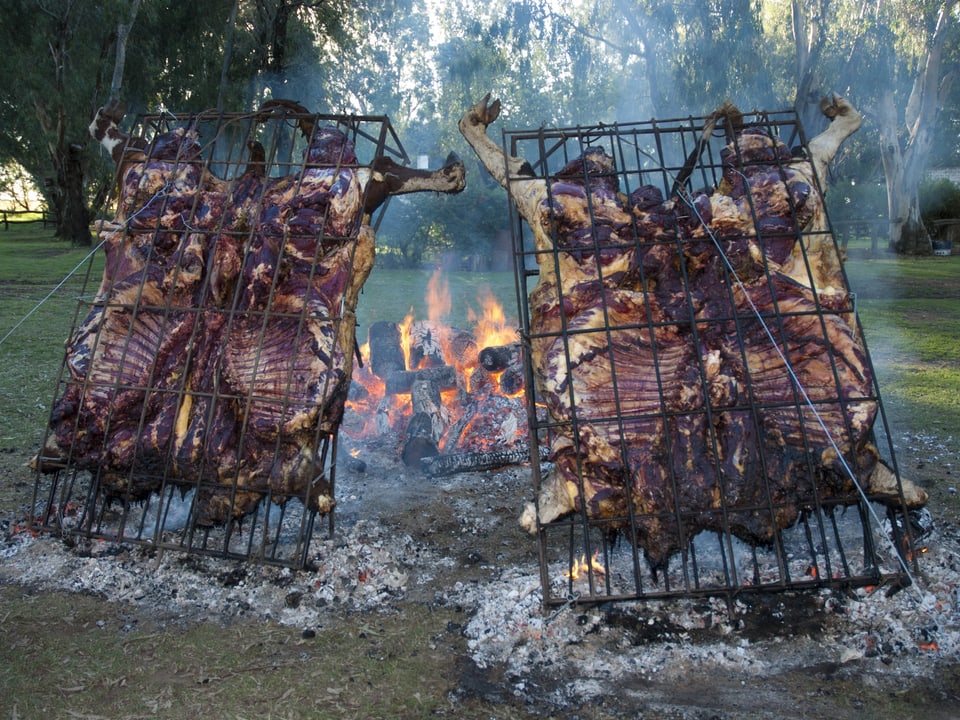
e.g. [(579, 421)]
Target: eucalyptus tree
[(908, 109)]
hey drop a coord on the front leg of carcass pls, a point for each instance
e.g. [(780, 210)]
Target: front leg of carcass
[(845, 120), (514, 174), (387, 178)]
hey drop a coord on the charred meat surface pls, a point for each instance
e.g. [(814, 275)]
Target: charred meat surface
[(219, 347), (698, 354)]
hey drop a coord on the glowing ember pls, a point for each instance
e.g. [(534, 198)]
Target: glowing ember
[(485, 411)]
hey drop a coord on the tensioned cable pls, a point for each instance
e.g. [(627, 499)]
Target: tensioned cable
[(159, 193), (799, 385)]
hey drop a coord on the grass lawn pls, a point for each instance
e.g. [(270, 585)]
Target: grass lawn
[(908, 308), (910, 312), (64, 656)]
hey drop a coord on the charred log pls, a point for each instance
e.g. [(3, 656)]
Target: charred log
[(443, 378), (386, 350), (478, 461), (500, 357), (427, 425)]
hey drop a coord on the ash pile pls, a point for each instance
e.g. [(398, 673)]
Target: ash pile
[(714, 421), (212, 362)]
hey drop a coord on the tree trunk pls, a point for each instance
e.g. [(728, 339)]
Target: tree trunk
[(73, 220), (123, 32), (904, 164), (807, 20), (913, 239), (227, 53)]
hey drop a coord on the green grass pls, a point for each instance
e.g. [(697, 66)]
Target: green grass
[(71, 658), (908, 308), (910, 312)]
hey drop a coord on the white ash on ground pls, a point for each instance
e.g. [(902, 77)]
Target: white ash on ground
[(363, 567), (600, 647), (456, 543)]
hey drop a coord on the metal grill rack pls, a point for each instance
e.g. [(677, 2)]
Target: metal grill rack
[(190, 275), (595, 557)]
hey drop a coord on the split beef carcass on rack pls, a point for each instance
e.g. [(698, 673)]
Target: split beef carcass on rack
[(219, 348), (672, 340)]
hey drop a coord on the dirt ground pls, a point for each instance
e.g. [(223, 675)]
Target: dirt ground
[(69, 651)]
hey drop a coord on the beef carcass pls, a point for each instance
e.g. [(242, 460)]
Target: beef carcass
[(693, 352), (219, 348)]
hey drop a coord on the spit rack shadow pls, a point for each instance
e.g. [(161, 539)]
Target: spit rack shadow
[(153, 439), (593, 557)]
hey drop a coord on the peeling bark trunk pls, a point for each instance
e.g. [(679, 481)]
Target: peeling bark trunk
[(904, 164)]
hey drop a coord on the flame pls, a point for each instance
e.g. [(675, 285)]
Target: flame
[(355, 452), (930, 646), (491, 327), (438, 297), (405, 337), (585, 566), (373, 414)]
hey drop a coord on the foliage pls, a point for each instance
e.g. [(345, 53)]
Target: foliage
[(939, 200), (422, 62), (850, 201)]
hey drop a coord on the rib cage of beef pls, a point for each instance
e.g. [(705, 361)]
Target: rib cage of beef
[(218, 349), (698, 352)]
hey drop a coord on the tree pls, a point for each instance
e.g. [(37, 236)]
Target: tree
[(906, 139), (38, 113), (61, 53)]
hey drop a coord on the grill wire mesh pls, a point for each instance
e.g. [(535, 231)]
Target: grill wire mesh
[(820, 538), (198, 405)]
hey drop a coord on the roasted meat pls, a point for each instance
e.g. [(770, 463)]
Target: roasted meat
[(219, 348), (696, 353)]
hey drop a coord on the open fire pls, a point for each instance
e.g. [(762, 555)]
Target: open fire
[(435, 389)]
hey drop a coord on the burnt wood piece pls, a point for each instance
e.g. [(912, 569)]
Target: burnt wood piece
[(478, 461), (431, 343), (427, 424), (386, 352), (500, 357), (426, 344), (511, 380), (445, 378), (490, 421)]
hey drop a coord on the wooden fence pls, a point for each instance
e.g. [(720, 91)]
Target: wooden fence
[(870, 236), (24, 217)]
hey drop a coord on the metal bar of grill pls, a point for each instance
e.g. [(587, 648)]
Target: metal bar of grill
[(689, 508), (198, 405)]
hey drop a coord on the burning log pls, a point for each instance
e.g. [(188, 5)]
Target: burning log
[(430, 342), (512, 380), (500, 357), (671, 398), (478, 461), (427, 424), (443, 378)]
